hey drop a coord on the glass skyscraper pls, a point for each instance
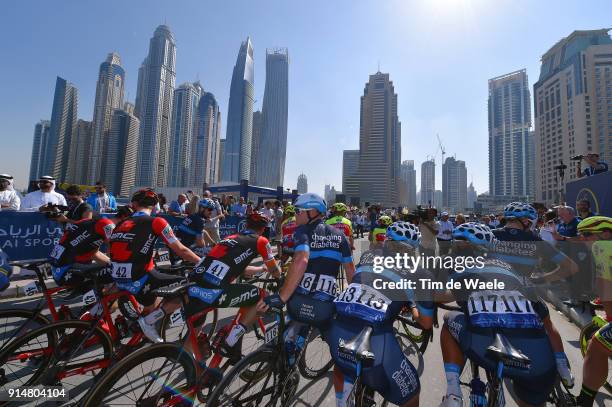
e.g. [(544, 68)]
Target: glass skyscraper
[(206, 148), (63, 127)]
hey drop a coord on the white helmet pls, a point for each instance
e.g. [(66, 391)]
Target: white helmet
[(404, 232)]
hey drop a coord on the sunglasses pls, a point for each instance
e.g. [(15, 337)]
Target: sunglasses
[(300, 210)]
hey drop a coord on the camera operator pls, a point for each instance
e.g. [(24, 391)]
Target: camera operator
[(39, 200), (595, 166), (78, 209)]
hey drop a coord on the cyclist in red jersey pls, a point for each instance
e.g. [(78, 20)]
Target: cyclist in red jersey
[(131, 251)]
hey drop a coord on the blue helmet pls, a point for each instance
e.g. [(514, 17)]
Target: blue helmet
[(404, 232), (206, 203), (475, 233), (520, 210), (6, 271), (311, 201)]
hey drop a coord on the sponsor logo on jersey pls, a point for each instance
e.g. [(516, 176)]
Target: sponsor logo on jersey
[(123, 236), (147, 246), (80, 238), (253, 293), (243, 256)]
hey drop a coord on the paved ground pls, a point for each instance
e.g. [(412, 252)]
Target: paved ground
[(429, 366)]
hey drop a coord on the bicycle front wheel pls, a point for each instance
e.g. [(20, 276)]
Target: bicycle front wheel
[(316, 359), (161, 373), (586, 334), (14, 323), (252, 382)]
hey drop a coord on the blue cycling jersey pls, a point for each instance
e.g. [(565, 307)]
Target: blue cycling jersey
[(189, 230)]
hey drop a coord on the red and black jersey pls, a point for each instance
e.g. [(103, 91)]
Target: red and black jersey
[(228, 259), (81, 240), (132, 244)]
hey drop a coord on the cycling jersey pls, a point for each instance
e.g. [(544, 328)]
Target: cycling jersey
[(228, 259), (132, 244), (602, 258), (342, 223), (379, 234), (190, 229), (288, 229), (80, 241)]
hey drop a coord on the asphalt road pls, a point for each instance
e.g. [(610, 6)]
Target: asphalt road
[(429, 365)]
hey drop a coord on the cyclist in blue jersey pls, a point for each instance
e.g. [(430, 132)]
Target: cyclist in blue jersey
[(370, 301), (191, 231)]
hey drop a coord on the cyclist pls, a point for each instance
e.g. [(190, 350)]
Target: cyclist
[(131, 251), (310, 286), (518, 245), (6, 271), (339, 221), (288, 227), (191, 231), (598, 231), (366, 302), (379, 233)]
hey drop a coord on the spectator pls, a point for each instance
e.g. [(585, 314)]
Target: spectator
[(9, 199), (163, 203), (548, 227), (494, 223), (211, 224), (595, 166), (485, 220), (178, 207), (36, 200), (445, 234), (278, 219), (225, 204), (78, 209), (269, 212), (568, 225), (460, 219), (583, 208), (361, 224), (102, 201), (429, 230), (239, 209), (191, 206)]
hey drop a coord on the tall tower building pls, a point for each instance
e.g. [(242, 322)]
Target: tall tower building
[(350, 166), (39, 147), (109, 96), (454, 185), (428, 182), (573, 113), (271, 171), (408, 184), (471, 195), (379, 142), (221, 158), (237, 157), (509, 137), (121, 149), (256, 148), (206, 147), (80, 148), (184, 118), (63, 128), (154, 97), (302, 184)]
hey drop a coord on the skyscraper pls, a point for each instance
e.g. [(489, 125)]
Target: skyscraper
[(237, 158), (471, 196), (428, 182), (80, 148), (109, 96), (350, 166), (302, 184), (221, 158), (573, 114), (184, 118), (122, 147), (63, 128), (454, 185), (379, 142), (408, 184), (39, 147), (154, 97), (255, 148), (510, 143), (271, 171), (206, 147)]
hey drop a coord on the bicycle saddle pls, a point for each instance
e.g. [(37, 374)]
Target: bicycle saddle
[(169, 268), (172, 291), (503, 351), (28, 264), (359, 346)]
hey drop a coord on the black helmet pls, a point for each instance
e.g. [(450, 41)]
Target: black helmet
[(257, 220), (145, 197)]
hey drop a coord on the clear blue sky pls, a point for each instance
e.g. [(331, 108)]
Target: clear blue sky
[(439, 53)]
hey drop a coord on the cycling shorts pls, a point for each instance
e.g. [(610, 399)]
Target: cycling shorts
[(303, 308), (391, 374), (532, 386), (142, 287), (604, 336), (232, 295)]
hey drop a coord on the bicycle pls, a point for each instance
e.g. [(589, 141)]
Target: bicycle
[(180, 377), (587, 332)]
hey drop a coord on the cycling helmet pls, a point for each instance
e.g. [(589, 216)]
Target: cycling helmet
[(385, 221), (124, 211), (6, 271), (290, 210), (595, 224), (404, 232), (311, 201), (145, 197), (475, 233), (206, 203), (339, 207), (520, 210), (257, 220)]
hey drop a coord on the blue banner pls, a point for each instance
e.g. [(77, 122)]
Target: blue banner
[(596, 189), (28, 235)]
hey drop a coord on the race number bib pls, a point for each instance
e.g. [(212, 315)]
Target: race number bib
[(360, 294), (216, 271), (90, 297), (271, 333), (327, 285), (508, 309), (57, 251), (122, 271), (31, 288), (176, 318), (307, 283)]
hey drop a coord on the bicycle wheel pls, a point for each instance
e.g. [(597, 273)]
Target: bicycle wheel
[(171, 332), (585, 338), (405, 327), (14, 323), (149, 376), (560, 397), (366, 397), (61, 353), (316, 359), (252, 382)]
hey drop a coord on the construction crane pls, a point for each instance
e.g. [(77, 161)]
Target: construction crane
[(441, 147)]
